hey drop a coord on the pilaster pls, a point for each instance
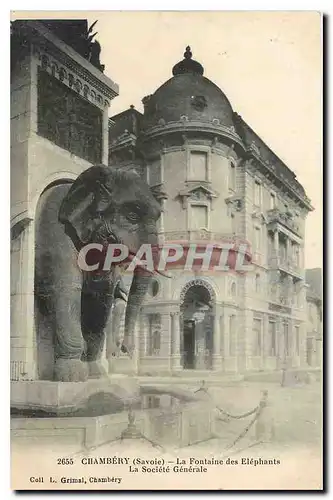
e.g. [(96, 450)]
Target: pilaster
[(217, 358), (175, 342)]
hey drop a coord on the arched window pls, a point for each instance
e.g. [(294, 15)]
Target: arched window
[(233, 289), (154, 335), (154, 288)]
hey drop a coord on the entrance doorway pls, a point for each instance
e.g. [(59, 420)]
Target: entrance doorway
[(197, 319), (189, 344)]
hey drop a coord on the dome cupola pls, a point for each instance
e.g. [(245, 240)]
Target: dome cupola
[(188, 96), (187, 65)]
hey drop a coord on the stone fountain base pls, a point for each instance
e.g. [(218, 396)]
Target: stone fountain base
[(61, 398), (191, 424)]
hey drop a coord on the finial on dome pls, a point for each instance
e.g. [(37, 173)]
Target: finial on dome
[(188, 53), (187, 65)]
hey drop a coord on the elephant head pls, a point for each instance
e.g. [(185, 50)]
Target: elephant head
[(108, 205)]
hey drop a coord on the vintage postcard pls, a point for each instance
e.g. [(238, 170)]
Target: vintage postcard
[(166, 250)]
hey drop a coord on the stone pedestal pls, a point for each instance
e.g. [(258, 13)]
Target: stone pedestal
[(68, 397)]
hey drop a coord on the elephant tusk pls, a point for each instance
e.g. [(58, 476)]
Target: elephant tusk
[(164, 274)]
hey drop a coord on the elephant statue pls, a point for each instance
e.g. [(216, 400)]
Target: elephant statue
[(104, 205)]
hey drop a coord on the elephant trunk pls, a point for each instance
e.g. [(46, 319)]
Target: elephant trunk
[(138, 290)]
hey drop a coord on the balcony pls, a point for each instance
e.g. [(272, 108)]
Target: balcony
[(285, 264), (276, 216)]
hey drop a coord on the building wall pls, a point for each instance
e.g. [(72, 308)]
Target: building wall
[(314, 331), (250, 300), (35, 164)]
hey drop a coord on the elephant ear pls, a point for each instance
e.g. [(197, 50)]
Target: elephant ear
[(85, 200)]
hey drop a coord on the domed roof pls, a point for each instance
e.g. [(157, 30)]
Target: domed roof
[(188, 95)]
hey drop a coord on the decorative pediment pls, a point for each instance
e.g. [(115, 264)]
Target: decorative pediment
[(197, 192)]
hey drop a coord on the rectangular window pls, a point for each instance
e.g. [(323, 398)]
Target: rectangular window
[(154, 334), (297, 340), (198, 217), (198, 166), (272, 201), (257, 341), (272, 350), (69, 120), (232, 335), (232, 177), (257, 193)]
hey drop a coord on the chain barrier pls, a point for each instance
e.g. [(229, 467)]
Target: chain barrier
[(132, 432), (257, 412), (229, 415)]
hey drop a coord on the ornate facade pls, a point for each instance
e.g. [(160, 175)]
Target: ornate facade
[(217, 181)]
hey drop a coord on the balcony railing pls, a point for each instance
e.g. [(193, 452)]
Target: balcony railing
[(280, 217), (284, 263)]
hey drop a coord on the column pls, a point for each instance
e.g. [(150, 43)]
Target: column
[(163, 361), (289, 256), (222, 337), (175, 342), (276, 242), (23, 341), (279, 343), (161, 221), (265, 342), (217, 358)]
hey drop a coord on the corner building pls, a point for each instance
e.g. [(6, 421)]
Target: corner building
[(217, 181)]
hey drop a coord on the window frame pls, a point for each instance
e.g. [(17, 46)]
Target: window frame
[(207, 205), (198, 149)]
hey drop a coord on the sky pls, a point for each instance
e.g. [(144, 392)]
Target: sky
[(267, 63)]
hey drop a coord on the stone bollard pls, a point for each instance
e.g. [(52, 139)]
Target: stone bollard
[(131, 431), (264, 423)]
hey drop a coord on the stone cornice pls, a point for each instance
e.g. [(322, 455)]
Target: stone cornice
[(268, 169), (184, 126), (45, 40)]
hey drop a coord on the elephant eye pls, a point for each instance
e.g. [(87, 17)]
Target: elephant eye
[(133, 212), (133, 216)]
